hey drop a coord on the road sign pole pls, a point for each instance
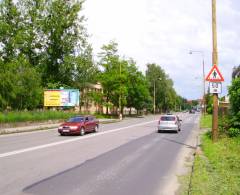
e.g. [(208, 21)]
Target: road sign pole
[(215, 61)]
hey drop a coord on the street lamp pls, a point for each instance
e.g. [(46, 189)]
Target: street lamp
[(120, 95), (154, 94), (203, 69)]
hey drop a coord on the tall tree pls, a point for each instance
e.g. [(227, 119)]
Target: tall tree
[(165, 94), (138, 95), (20, 84), (66, 37), (33, 14), (109, 60), (156, 77), (10, 31)]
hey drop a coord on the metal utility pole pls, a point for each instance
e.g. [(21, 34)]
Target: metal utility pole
[(215, 61)]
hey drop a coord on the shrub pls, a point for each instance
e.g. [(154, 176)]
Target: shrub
[(234, 132), (224, 124), (234, 92), (209, 110)]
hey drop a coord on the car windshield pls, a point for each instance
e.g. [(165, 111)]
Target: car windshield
[(168, 118), (76, 119)]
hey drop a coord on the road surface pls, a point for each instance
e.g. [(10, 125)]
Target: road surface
[(128, 157)]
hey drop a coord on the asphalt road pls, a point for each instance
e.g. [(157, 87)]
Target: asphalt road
[(128, 157)]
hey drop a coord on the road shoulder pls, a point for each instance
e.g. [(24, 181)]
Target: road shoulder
[(184, 162)]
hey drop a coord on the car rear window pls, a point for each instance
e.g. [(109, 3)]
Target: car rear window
[(168, 118), (76, 119)]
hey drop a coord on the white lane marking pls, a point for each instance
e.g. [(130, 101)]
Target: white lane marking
[(68, 141)]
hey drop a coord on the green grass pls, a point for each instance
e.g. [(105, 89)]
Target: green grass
[(22, 116), (217, 171), (28, 116), (206, 121)]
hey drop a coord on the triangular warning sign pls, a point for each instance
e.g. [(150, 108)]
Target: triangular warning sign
[(215, 75)]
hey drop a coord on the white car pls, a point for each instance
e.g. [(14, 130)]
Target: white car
[(169, 122)]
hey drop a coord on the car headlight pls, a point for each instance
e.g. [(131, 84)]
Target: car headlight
[(60, 128), (73, 127)]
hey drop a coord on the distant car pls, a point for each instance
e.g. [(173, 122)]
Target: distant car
[(79, 125), (169, 123), (192, 111)]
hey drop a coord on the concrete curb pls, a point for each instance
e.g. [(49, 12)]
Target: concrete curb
[(45, 127)]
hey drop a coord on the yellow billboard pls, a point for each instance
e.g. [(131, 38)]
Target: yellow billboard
[(52, 98), (61, 97)]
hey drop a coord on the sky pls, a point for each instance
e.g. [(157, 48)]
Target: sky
[(164, 31)]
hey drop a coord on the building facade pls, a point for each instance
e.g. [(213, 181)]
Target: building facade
[(236, 72)]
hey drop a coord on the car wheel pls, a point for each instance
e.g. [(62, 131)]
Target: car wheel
[(96, 128), (82, 131)]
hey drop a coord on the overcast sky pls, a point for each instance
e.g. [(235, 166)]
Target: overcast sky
[(163, 32)]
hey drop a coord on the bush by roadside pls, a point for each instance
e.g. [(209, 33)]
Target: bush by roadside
[(234, 123)]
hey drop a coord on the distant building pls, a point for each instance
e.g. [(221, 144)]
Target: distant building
[(236, 72), (87, 103)]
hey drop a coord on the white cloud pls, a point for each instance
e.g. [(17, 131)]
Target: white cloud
[(163, 31)]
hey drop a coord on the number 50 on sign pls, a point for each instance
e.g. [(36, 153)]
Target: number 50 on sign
[(215, 87)]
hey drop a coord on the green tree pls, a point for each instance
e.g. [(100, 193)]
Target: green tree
[(164, 91), (34, 40), (86, 70), (138, 95), (66, 39), (20, 85), (10, 31), (113, 76)]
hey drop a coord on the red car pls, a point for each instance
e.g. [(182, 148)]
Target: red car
[(79, 125)]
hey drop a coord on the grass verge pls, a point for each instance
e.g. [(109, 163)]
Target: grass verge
[(216, 169), (21, 116), (206, 121)]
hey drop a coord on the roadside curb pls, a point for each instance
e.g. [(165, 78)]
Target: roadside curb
[(186, 170), (45, 127), (197, 152)]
